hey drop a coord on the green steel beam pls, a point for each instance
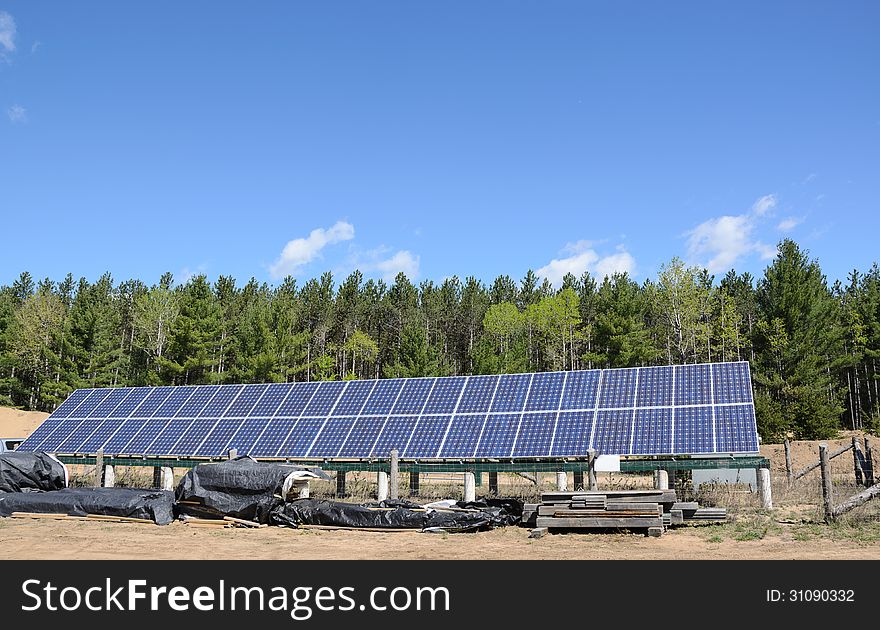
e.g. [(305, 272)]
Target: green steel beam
[(481, 466)]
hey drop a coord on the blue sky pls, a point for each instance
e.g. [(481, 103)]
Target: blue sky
[(440, 139)]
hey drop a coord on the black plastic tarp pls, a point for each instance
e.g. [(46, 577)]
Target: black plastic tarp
[(385, 515), (154, 505), (28, 472), (241, 487)]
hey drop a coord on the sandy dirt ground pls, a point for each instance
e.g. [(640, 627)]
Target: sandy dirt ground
[(791, 533), (46, 539)]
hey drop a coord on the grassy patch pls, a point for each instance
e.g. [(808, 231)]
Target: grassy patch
[(746, 528)]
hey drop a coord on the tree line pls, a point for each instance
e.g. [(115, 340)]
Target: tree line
[(813, 348)]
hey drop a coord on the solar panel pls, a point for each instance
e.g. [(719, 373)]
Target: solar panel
[(663, 410)]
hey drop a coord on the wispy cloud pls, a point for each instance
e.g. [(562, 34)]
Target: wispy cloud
[(721, 241), (301, 251), (17, 114), (763, 205), (401, 262), (583, 257), (7, 34), (789, 223), (382, 260)]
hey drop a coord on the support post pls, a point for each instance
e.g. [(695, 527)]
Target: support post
[(578, 480), (157, 477), (233, 453), (857, 460), (381, 485), (594, 485), (788, 471), (470, 487), (493, 483), (561, 481), (661, 479), (765, 494), (340, 483), (109, 476), (869, 464), (394, 474), (99, 467), (166, 476), (827, 498), (414, 484)]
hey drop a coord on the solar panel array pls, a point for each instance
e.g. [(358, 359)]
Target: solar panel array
[(685, 409)]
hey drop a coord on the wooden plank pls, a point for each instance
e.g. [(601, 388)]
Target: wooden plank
[(676, 517), (242, 522), (121, 519), (655, 532), (603, 514), (538, 532), (634, 505), (686, 505), (598, 523)]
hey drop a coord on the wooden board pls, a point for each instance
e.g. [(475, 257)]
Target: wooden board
[(597, 523)]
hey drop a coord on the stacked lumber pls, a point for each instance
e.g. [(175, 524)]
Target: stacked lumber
[(649, 510), (611, 509), (87, 517)]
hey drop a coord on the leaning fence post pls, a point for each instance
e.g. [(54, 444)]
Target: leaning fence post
[(394, 474), (857, 456), (99, 468), (788, 472), (827, 498), (869, 464)]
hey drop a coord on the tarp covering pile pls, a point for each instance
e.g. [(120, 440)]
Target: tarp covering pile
[(242, 488), (31, 472), (154, 505), (389, 515)]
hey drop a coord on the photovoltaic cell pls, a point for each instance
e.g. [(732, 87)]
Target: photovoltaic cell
[(362, 437), (218, 404), (427, 436), (273, 437), (301, 438), (511, 392), (87, 406), (395, 434), (693, 430), (174, 402), (78, 436), (382, 398), (54, 440), (613, 430), (131, 402), (97, 439), (272, 399), (732, 383), (124, 435), (735, 429), (331, 437), (355, 396), (464, 432), (693, 385), (445, 395), (413, 396), (43, 431), (109, 403), (618, 388), (215, 444), (194, 435), (168, 437), (580, 390), (195, 403), (655, 387), (147, 434), (246, 400), (545, 392), (477, 394), (498, 435), (243, 439), (535, 434), (322, 402), (652, 434), (572, 435), (295, 403), (152, 402), (71, 403)]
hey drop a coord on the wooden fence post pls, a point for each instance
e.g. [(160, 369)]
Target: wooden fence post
[(99, 468), (857, 464), (591, 461), (869, 464), (827, 497), (788, 471), (393, 476)]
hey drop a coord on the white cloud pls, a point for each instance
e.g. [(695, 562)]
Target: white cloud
[(584, 258), (763, 205), (302, 251), (719, 242), (789, 223), (401, 262), (17, 114), (7, 33)]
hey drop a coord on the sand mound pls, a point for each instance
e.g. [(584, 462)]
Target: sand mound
[(15, 423)]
